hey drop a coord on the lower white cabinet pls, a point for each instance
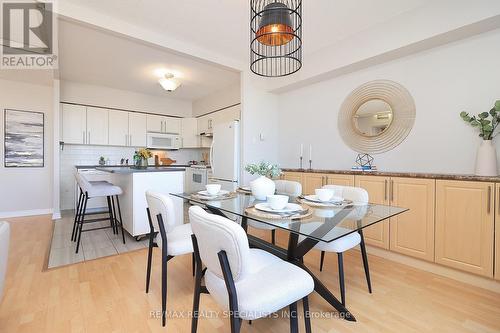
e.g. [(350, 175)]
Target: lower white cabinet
[(137, 128), (118, 128)]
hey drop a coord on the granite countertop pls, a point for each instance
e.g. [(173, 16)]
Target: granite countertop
[(127, 166), (443, 176), (130, 169)]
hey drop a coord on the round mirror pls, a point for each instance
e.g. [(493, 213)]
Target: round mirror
[(373, 117)]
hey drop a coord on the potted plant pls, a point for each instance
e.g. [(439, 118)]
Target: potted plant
[(141, 157), (264, 185), (486, 122)]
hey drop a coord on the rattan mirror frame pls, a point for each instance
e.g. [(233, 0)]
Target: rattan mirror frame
[(404, 112)]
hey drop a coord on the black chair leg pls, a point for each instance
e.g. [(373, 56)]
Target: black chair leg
[(80, 224), (197, 287), (294, 320), (164, 259), (321, 261), (121, 221), (365, 261), (115, 220), (273, 237), (110, 212), (307, 315), (77, 215), (193, 264), (150, 257), (341, 277)]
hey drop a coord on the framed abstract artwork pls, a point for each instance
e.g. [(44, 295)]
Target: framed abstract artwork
[(24, 139)]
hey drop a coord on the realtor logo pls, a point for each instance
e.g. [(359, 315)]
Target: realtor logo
[(27, 35)]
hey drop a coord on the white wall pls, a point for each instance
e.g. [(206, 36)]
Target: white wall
[(26, 190), (75, 92), (444, 81), (220, 99)]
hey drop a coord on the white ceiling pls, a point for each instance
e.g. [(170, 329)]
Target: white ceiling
[(92, 56), (223, 25)]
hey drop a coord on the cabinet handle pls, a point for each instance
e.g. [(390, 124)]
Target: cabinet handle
[(392, 190), (326, 180), (83, 137), (130, 140), (489, 199), (385, 190), (126, 140), (89, 138)]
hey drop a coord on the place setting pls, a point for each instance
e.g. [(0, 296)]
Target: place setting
[(324, 197), (213, 192), (277, 207)]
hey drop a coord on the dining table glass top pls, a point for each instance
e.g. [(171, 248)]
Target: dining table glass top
[(324, 224)]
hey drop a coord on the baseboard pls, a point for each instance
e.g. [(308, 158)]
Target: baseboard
[(56, 215), (475, 280), (21, 213)]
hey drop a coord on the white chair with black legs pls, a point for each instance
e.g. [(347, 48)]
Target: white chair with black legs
[(4, 253), (359, 196), (250, 283), (90, 190), (285, 187), (172, 238)]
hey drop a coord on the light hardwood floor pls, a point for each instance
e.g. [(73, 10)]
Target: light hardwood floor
[(107, 295)]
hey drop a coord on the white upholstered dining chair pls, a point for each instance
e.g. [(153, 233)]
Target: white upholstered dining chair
[(250, 283), (4, 253), (285, 187), (359, 196), (173, 239)]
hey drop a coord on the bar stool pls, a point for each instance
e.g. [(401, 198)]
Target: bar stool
[(99, 189)]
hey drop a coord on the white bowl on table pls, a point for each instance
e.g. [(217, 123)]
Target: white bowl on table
[(213, 189), (277, 202), (324, 194)]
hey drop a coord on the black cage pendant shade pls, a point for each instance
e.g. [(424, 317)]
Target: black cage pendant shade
[(276, 37)]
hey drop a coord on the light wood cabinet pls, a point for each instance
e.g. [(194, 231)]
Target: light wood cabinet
[(412, 233), (137, 128), (339, 179), (465, 225), (497, 233), (378, 192), (118, 128), (293, 176), (74, 124), (312, 181), (97, 126)]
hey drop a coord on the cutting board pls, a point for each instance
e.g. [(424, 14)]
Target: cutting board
[(167, 161)]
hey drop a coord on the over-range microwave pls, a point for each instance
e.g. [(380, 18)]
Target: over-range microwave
[(163, 141)]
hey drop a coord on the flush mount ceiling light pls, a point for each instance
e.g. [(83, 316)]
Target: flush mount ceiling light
[(276, 37), (169, 83)]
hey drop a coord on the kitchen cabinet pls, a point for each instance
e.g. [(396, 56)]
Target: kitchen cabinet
[(137, 128), (155, 123), (97, 126), (378, 192), (497, 233), (312, 181), (412, 233), (118, 128), (205, 123), (189, 133), (173, 125), (339, 179), (293, 176), (74, 124), (465, 225)]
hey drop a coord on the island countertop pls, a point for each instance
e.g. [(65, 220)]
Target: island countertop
[(131, 169)]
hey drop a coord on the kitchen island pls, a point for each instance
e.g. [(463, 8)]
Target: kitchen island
[(135, 182)]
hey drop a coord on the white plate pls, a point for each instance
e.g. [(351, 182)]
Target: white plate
[(289, 208), (206, 194), (333, 200)]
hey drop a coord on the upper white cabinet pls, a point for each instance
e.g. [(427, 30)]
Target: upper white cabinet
[(189, 133), (97, 126), (74, 124), (162, 124), (118, 128), (137, 128)]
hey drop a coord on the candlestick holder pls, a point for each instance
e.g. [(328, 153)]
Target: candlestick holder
[(310, 164), (301, 158)]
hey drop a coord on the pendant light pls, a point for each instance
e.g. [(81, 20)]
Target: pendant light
[(276, 37)]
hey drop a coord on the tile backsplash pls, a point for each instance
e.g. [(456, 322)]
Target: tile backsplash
[(72, 155)]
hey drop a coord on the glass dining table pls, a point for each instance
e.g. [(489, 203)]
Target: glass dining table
[(320, 224)]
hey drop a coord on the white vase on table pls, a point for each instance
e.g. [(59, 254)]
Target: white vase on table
[(486, 159), (262, 187)]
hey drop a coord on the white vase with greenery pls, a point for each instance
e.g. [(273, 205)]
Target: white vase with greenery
[(486, 122), (264, 185)]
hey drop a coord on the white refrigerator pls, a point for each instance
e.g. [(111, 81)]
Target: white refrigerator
[(225, 155)]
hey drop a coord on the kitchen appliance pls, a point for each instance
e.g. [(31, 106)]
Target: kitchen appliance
[(163, 141), (225, 155), (196, 178)]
